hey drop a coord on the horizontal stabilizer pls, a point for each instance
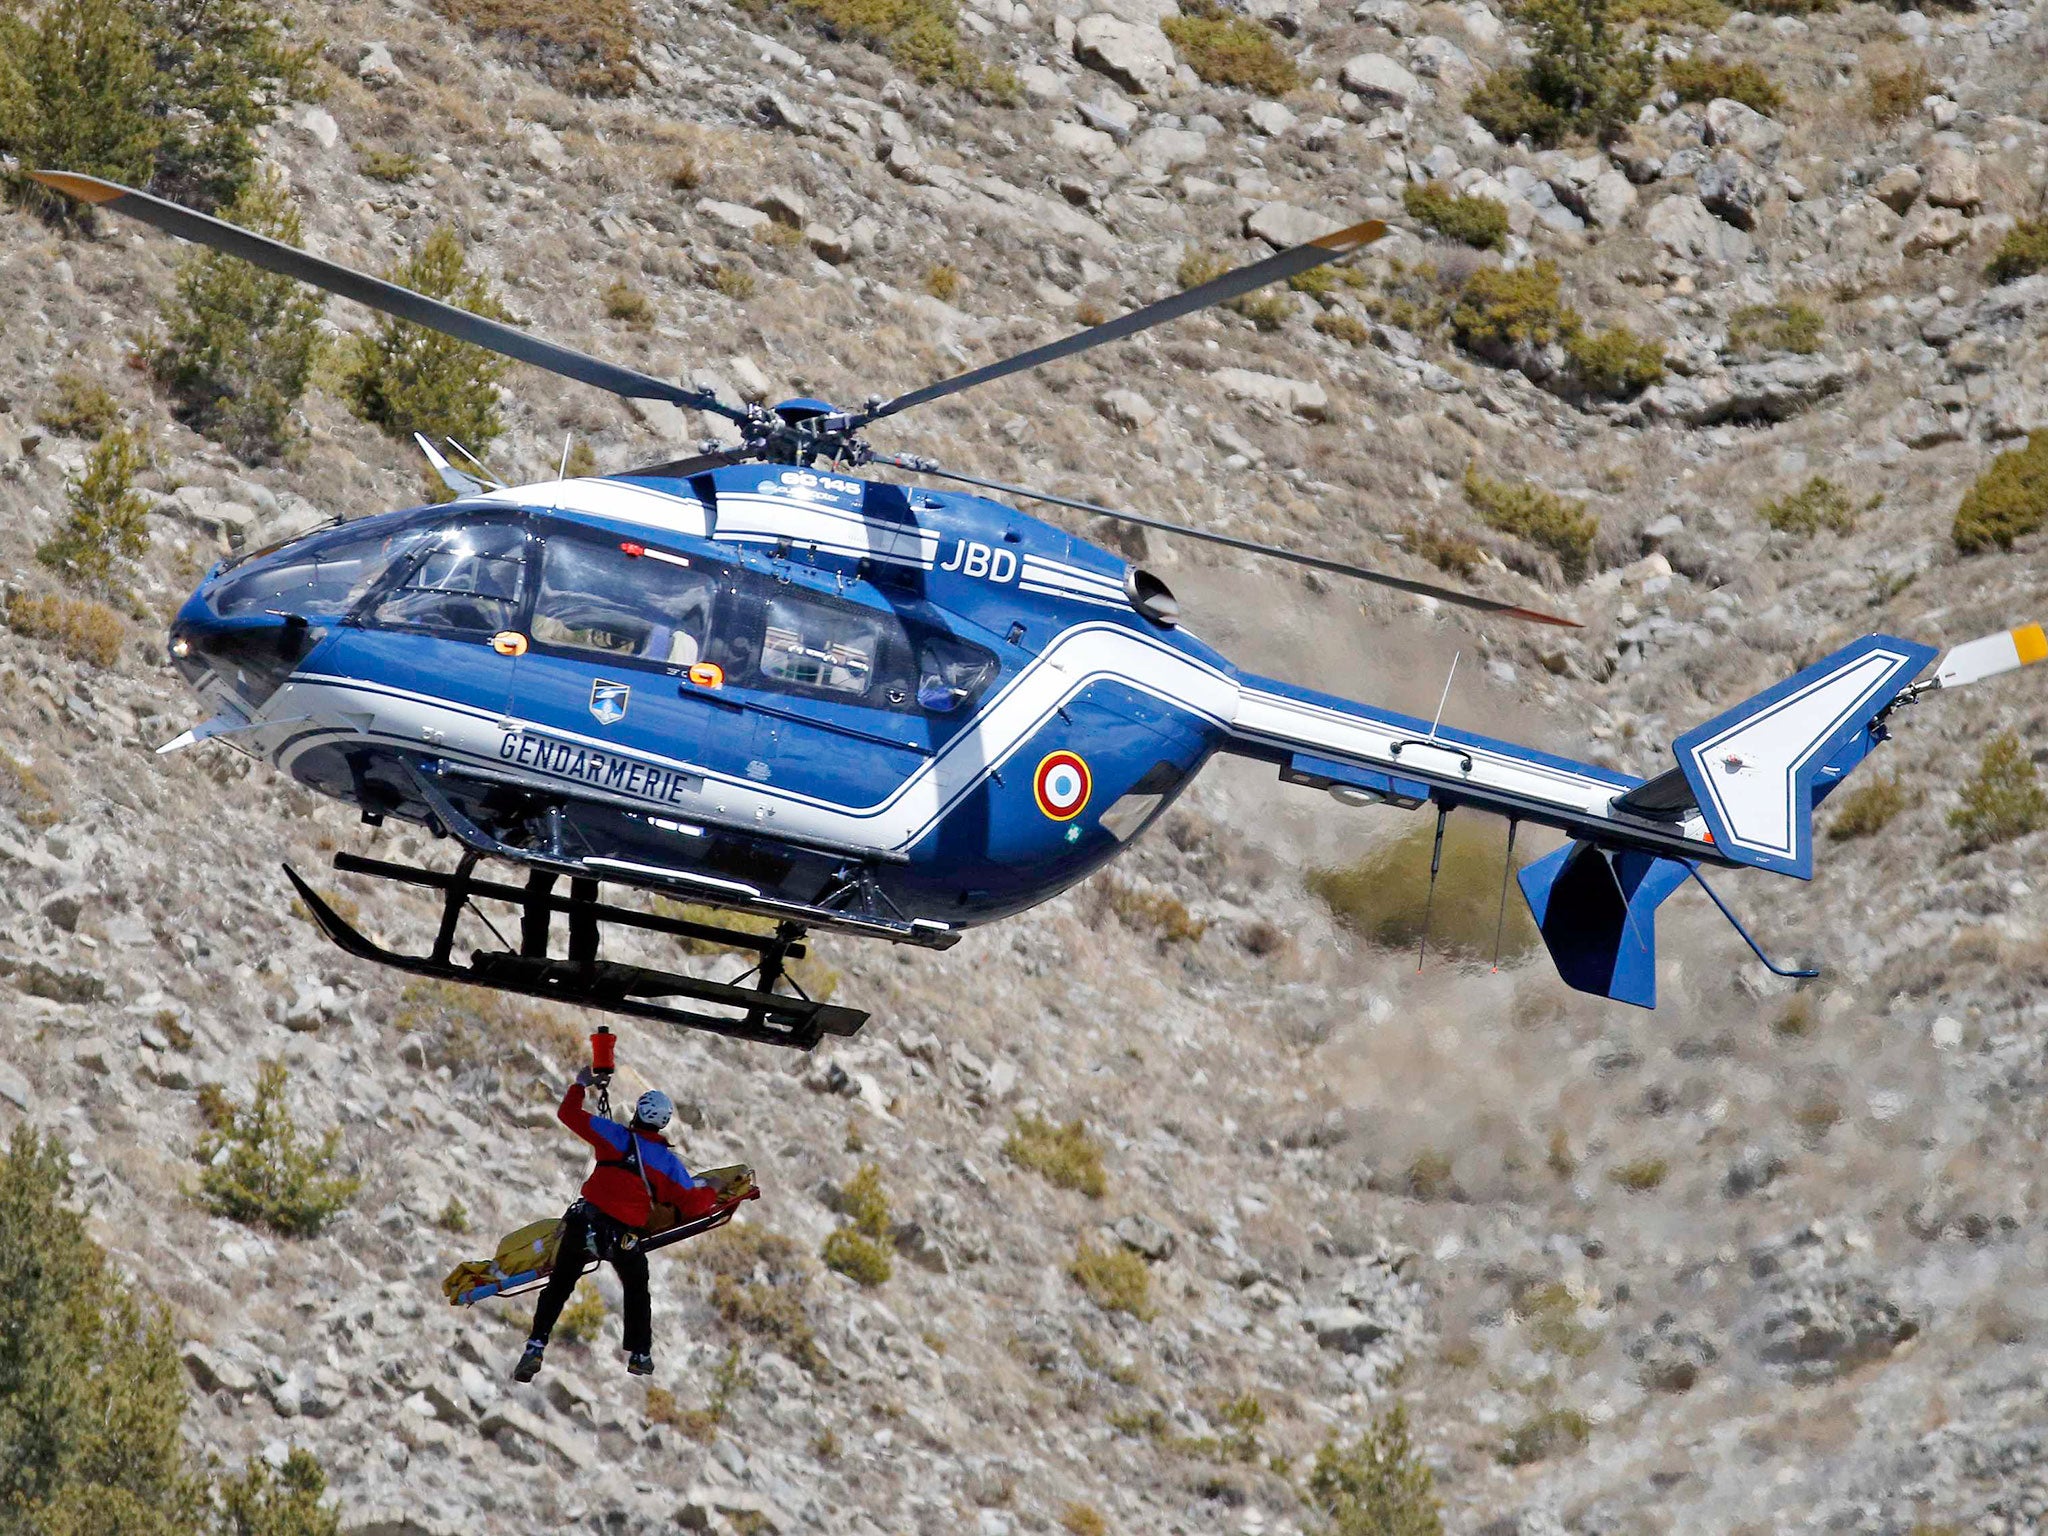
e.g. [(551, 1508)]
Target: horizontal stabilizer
[(1758, 770), (2006, 651), (1597, 911)]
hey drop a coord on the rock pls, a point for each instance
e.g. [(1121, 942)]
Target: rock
[(778, 111), (1441, 60), (1952, 179), (1732, 190), (1897, 188), (1145, 1237), (1771, 391), (1731, 123), (1754, 1168), (1304, 398), (1128, 409), (1610, 200), (725, 1509), (376, 69), (1089, 143), (1139, 59), (1637, 159), (509, 1424), (211, 510), (1484, 28), (318, 124), (1346, 1330), (1160, 150), (1269, 117), (1670, 1358), (905, 163), (785, 206), (733, 215), (828, 243), (1821, 1328), (1397, 16), (1282, 225), (1682, 225), (1042, 85), (14, 1088), (1376, 77), (1944, 326), (215, 1373), (1921, 424), (1930, 229)]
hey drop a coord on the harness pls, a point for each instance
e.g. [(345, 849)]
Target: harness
[(606, 1231)]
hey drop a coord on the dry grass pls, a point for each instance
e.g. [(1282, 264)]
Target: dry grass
[(1639, 1175), (1383, 896), (1537, 516), (1893, 94), (622, 301), (80, 407), (1115, 1280), (79, 627), (583, 1319), (1159, 913), (463, 1028), (23, 792), (1229, 50), (582, 46), (1065, 1155), (1869, 808)]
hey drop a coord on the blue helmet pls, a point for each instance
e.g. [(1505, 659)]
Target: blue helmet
[(653, 1109)]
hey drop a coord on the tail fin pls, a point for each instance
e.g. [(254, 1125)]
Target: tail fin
[(1757, 771), (1597, 911)]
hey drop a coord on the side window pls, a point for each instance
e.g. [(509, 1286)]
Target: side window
[(950, 673), (471, 581), (597, 597), (821, 646)]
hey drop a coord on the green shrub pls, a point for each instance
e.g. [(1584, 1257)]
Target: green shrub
[(734, 281), (1381, 897), (1818, 504), (1480, 222), (774, 1311), (582, 1320), (1083, 1520), (860, 1249), (1547, 1433), (1543, 518), (1349, 329), (388, 165), (1869, 808), (2004, 800), (922, 36), (582, 46), (1065, 1155), (241, 343), (1789, 327), (1704, 79), (622, 301), (82, 629), (1551, 1315), (2023, 252), (1892, 94), (1228, 50), (284, 1503), (406, 378), (1378, 1485), (91, 1390), (858, 1258), (1585, 78), (1640, 1175), (1115, 1279), (81, 407), (454, 1216), (2008, 501), (1499, 310), (1707, 15), (1615, 363), (104, 520), (1445, 550), (261, 1171), (942, 282), (1430, 1176)]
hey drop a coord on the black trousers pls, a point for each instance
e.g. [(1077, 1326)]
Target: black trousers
[(630, 1265)]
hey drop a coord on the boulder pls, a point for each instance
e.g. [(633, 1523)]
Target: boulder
[(778, 111), (1952, 178), (1397, 16), (1128, 409), (785, 205), (1042, 85), (1160, 150), (1682, 225), (212, 1372), (515, 1428), (1304, 398), (1671, 1357), (318, 124), (1610, 199), (1138, 58), (1897, 188), (1772, 391), (1269, 117), (376, 68), (1346, 1330), (1732, 124), (1817, 1329), (1089, 143), (1379, 78), (1145, 1237), (1922, 424), (1932, 229), (735, 216), (1440, 59), (828, 243), (1731, 189), (1282, 225)]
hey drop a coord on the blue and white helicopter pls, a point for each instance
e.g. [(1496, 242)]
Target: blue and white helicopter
[(754, 681)]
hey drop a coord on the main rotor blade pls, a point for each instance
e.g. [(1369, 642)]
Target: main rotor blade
[(1316, 562), (684, 469), (390, 298), (1288, 263)]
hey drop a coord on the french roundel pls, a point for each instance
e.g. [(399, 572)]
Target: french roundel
[(1062, 785)]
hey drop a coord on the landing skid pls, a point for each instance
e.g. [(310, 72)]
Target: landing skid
[(757, 1012)]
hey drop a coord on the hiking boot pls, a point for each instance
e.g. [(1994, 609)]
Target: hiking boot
[(529, 1362), (639, 1365)]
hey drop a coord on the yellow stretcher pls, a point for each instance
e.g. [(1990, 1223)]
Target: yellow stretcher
[(526, 1258)]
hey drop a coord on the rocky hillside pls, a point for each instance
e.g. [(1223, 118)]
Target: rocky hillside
[(1765, 1260)]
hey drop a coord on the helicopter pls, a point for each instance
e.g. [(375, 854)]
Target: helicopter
[(754, 681)]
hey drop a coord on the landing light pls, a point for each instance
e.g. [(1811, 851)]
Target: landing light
[(181, 647)]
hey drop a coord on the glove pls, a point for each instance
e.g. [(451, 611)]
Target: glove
[(584, 1078)]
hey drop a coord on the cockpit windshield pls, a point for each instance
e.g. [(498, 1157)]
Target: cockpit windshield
[(325, 572)]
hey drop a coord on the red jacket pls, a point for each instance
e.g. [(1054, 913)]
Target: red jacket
[(613, 1187)]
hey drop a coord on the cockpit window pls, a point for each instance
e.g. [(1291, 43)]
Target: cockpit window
[(812, 645), (326, 572), (950, 672), (598, 597), (472, 580)]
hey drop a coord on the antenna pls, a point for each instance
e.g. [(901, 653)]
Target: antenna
[(489, 474), (1439, 720), (563, 472)]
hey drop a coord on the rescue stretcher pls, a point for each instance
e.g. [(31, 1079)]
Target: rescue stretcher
[(526, 1258)]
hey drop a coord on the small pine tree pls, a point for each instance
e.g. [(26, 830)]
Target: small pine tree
[(1584, 79), (405, 378), (242, 342), (1378, 1485), (284, 1503), (269, 1175), (75, 86), (2004, 801), (91, 1391), (105, 522)]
